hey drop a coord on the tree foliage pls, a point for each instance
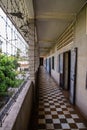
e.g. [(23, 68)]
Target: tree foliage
[(8, 65)]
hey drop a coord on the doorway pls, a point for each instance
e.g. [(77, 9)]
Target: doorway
[(66, 74), (66, 70), (61, 69), (41, 61), (50, 66)]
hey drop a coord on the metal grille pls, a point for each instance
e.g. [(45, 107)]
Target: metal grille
[(7, 107), (11, 40)]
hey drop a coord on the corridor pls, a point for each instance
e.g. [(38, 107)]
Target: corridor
[(53, 111)]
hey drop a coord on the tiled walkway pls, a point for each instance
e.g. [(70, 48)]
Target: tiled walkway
[(54, 111)]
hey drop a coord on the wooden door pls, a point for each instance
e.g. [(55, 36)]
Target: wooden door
[(50, 66), (73, 75), (66, 70), (46, 64), (61, 69)]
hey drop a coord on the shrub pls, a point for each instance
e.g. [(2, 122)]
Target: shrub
[(3, 87), (8, 66)]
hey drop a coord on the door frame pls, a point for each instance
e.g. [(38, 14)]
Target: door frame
[(73, 78)]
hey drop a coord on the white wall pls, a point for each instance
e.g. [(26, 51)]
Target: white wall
[(80, 41)]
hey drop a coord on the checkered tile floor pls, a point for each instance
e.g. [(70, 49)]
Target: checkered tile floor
[(54, 111)]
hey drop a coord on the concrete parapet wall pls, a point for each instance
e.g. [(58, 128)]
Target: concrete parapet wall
[(19, 115)]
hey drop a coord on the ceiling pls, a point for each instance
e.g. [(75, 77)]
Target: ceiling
[(52, 17)]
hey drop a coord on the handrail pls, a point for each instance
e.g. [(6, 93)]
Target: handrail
[(4, 112)]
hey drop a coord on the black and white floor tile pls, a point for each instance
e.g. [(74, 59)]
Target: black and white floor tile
[(54, 112)]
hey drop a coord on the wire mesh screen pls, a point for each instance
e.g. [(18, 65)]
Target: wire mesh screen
[(14, 64), (11, 42)]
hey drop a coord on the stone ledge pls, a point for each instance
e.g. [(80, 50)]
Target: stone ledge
[(17, 108)]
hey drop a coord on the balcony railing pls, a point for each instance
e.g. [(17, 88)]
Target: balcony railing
[(5, 111)]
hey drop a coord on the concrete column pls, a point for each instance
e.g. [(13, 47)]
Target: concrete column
[(32, 54)]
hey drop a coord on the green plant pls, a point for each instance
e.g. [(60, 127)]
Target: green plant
[(17, 82), (3, 87), (8, 66)]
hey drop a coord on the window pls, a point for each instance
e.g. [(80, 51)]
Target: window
[(52, 62)]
